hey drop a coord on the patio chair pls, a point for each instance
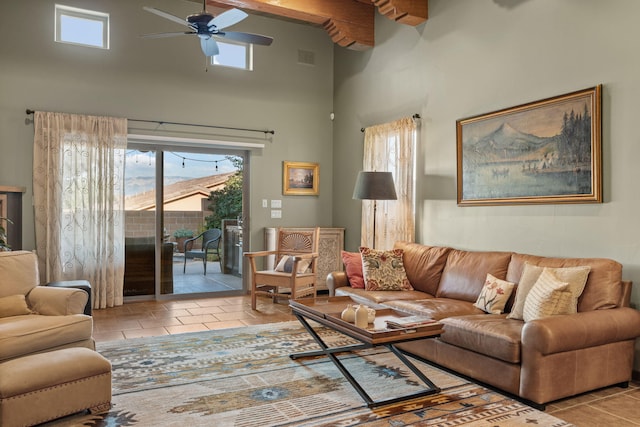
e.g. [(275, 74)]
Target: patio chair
[(294, 275), (210, 244)]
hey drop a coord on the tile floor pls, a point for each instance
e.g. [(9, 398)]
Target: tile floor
[(612, 406)]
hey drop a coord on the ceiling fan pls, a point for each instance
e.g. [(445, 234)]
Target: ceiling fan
[(206, 26)]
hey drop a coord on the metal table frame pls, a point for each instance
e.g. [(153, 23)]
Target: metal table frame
[(330, 352)]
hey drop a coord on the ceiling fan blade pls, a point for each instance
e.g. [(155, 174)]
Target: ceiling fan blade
[(227, 19), (166, 15), (247, 37), (160, 35), (209, 46)]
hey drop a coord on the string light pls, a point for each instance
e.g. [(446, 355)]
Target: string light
[(184, 158)]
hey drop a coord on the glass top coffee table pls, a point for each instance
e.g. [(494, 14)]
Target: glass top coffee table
[(327, 311)]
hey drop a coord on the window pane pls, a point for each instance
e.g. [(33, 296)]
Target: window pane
[(232, 55), (83, 27), (81, 30)]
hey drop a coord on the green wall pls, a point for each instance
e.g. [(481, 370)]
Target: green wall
[(477, 56), (165, 79)]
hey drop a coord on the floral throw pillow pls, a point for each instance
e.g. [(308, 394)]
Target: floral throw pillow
[(494, 295), (384, 270)]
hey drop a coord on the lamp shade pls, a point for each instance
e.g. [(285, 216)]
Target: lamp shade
[(374, 186)]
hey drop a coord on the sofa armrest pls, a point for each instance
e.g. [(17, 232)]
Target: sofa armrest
[(335, 280), (581, 330), (80, 284), (57, 301)]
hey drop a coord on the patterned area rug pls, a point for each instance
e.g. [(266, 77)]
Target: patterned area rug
[(244, 377)]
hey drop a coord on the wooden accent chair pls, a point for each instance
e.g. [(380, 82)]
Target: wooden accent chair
[(294, 272)]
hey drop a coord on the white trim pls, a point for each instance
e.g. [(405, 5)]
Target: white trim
[(192, 142)]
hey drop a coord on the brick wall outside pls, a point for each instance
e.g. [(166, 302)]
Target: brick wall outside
[(142, 223)]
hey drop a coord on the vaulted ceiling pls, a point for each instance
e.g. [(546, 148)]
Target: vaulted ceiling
[(349, 23)]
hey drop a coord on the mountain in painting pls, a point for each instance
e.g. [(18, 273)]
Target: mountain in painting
[(508, 144)]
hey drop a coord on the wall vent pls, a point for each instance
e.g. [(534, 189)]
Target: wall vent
[(306, 57)]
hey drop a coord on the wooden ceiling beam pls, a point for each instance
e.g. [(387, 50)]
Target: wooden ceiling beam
[(349, 23), (410, 12)]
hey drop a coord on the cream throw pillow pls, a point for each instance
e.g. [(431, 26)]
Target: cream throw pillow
[(494, 295), (549, 296), (575, 276), (286, 265), (13, 305)]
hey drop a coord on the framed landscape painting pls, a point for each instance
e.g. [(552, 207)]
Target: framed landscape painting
[(300, 178), (546, 151)]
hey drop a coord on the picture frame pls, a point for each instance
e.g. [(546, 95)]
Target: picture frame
[(543, 152), (300, 178)]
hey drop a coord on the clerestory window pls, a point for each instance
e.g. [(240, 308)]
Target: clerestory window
[(234, 55), (81, 27)]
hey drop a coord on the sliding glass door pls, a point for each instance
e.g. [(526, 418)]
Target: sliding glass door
[(183, 222)]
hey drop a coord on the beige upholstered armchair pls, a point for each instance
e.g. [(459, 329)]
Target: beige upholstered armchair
[(38, 319), (294, 272)]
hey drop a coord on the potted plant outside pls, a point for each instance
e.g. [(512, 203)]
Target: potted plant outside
[(181, 235)]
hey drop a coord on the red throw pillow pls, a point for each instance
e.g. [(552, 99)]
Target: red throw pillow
[(353, 267)]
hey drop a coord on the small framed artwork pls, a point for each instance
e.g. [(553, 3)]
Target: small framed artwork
[(547, 151), (300, 179)]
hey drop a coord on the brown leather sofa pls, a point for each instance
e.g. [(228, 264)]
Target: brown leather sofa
[(539, 361)]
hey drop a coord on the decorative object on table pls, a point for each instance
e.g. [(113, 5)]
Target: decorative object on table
[(208, 28), (372, 185), (362, 316), (300, 179), (547, 151), (411, 322), (348, 314), (371, 315)]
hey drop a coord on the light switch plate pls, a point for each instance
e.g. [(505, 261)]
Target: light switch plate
[(276, 204), (264, 203), (276, 213)]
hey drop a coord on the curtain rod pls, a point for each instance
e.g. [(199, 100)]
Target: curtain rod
[(416, 116), (163, 122)]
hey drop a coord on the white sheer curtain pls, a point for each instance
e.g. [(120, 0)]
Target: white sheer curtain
[(390, 147), (78, 173)]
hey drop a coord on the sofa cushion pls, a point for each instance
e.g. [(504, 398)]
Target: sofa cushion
[(465, 272), (384, 270), (494, 295), (489, 334), (604, 283), (549, 296), (353, 268), (14, 305), (379, 297), (18, 272), (575, 277), (423, 264), (286, 264), (20, 335), (436, 308)]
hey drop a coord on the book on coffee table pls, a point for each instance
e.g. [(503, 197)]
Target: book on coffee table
[(411, 322)]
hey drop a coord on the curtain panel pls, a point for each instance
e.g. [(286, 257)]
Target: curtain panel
[(390, 147), (78, 174)]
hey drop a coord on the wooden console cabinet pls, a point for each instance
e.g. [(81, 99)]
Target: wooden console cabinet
[(330, 247)]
